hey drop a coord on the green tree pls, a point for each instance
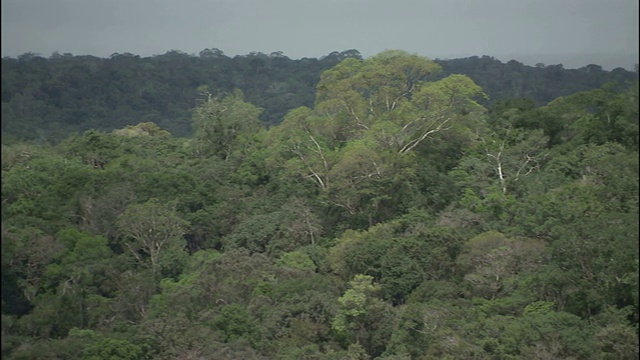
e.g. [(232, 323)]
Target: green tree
[(220, 123), (152, 228), (300, 144), (362, 317), (394, 87), (369, 114), (492, 262), (96, 346), (234, 322)]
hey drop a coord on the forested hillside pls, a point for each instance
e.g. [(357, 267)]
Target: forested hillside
[(394, 214), (46, 99)]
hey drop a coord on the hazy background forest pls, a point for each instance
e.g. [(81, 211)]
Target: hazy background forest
[(260, 207), (48, 98)]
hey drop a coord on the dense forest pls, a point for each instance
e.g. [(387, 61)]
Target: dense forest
[(45, 99), (258, 207)]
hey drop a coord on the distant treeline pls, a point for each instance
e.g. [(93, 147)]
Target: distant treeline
[(46, 99)]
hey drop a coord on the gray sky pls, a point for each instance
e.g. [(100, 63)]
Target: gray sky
[(572, 32)]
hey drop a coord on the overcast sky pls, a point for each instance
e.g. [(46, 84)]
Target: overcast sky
[(572, 32)]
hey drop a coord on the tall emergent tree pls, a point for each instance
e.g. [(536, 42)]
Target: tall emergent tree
[(369, 118)]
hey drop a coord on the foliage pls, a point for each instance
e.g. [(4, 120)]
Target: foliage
[(46, 98), (393, 216)]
